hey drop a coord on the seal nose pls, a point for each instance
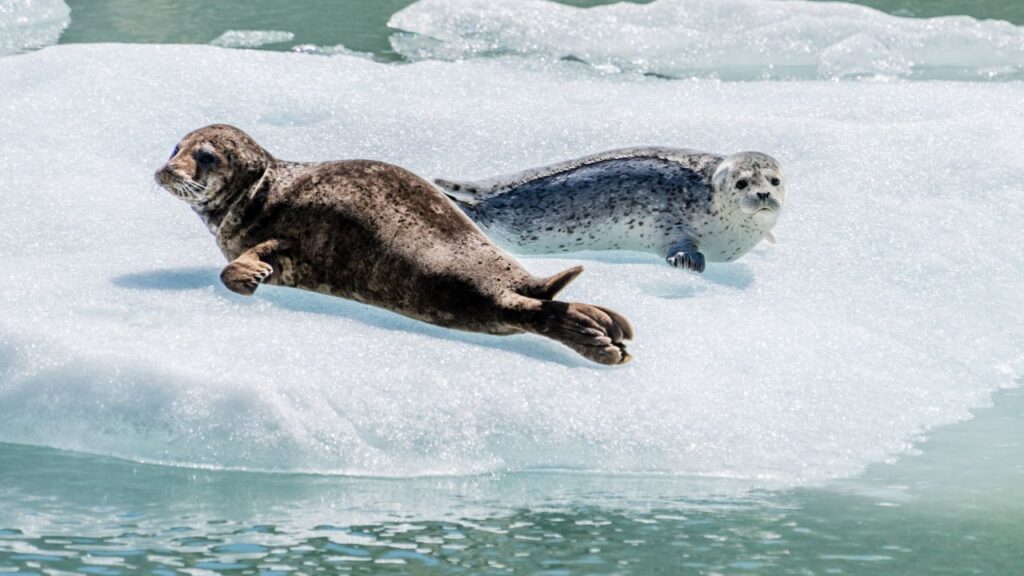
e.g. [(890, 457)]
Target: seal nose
[(764, 195), (162, 174)]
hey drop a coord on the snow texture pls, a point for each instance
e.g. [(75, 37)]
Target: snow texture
[(729, 39), (891, 303)]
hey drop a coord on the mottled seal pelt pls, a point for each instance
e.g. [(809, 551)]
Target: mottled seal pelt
[(686, 206), (375, 233)]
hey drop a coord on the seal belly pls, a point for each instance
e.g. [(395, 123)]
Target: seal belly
[(726, 248), (569, 235), (727, 240)]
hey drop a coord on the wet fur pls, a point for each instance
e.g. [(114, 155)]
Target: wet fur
[(378, 234)]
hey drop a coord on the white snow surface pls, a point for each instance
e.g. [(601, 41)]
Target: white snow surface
[(890, 305), (730, 39), (29, 24)]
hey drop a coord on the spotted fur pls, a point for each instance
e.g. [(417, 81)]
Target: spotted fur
[(683, 205), (375, 233)]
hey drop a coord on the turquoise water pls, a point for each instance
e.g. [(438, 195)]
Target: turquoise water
[(359, 25), (955, 506), (945, 510)]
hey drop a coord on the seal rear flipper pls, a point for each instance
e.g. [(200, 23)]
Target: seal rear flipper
[(593, 332), (548, 288), (460, 192)]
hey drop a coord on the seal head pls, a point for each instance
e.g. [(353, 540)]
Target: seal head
[(212, 167), (752, 182)]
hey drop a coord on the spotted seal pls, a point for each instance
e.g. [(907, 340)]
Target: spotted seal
[(687, 206), (375, 233)]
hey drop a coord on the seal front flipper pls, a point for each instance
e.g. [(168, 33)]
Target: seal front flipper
[(684, 254), (245, 273)]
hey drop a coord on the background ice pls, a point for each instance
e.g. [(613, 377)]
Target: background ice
[(251, 38), (890, 305), (28, 24), (746, 39)]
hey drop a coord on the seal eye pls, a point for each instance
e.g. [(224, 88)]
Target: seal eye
[(776, 181), (741, 184), (205, 158), (175, 151)]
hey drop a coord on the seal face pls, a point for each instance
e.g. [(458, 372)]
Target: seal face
[(375, 233), (687, 206)]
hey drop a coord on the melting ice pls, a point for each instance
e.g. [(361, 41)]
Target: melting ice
[(890, 305), (28, 24), (251, 38), (748, 39)]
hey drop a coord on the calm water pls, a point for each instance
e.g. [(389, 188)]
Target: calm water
[(360, 25), (957, 507)]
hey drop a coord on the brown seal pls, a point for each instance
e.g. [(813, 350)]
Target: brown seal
[(375, 233)]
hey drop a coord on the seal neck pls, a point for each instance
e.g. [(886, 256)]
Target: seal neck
[(217, 209)]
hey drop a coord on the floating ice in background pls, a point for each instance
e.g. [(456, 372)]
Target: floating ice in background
[(891, 303), (336, 50), (730, 39), (29, 24), (251, 38)]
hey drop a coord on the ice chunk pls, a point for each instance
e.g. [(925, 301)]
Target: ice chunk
[(337, 49), (891, 303), (730, 39), (251, 38), (30, 24)]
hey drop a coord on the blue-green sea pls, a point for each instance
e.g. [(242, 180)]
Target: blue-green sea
[(360, 25), (952, 503)]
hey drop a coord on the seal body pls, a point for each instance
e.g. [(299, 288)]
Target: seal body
[(687, 206), (375, 233)]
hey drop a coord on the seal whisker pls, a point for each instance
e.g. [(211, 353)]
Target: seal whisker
[(187, 193), (188, 189)]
